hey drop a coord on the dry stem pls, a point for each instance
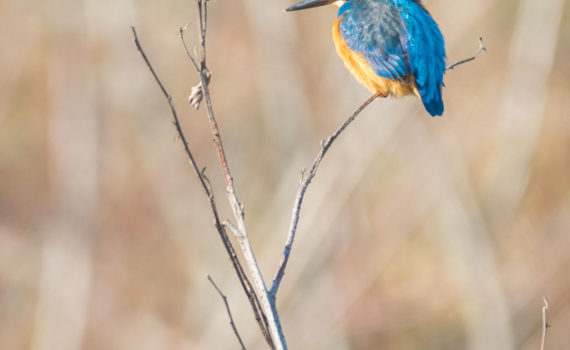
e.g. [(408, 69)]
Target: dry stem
[(225, 299), (246, 284), (273, 323), (263, 301), (479, 50), (545, 324), (305, 182)]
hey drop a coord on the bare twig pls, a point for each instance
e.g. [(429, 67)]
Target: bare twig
[(197, 93), (225, 299), (479, 50), (232, 228), (192, 59), (246, 284), (173, 110), (271, 316), (545, 324), (262, 300), (305, 182)]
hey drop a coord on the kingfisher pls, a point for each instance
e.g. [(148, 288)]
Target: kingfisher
[(393, 47)]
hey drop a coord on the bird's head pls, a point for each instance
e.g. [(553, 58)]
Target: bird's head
[(307, 4)]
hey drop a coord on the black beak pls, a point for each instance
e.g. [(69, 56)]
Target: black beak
[(307, 4)]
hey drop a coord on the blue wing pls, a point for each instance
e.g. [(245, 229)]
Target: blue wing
[(400, 40), (374, 30)]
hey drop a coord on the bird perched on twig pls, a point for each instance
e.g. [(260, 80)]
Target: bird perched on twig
[(393, 47)]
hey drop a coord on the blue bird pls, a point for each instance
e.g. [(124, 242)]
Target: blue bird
[(393, 47)]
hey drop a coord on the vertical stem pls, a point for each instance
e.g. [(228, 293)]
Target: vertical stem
[(241, 231), (544, 323), (267, 303)]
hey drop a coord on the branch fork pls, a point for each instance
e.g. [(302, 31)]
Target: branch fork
[(262, 300)]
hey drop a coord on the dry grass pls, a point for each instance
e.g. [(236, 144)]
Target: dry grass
[(418, 233)]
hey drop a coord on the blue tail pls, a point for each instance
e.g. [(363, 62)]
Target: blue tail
[(435, 105), (427, 57)]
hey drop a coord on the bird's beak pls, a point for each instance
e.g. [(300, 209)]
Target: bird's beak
[(307, 4)]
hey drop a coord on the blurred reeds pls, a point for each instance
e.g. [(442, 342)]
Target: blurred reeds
[(417, 233)]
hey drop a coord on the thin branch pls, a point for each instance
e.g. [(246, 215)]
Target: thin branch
[(545, 324), (238, 268), (305, 182), (192, 59), (225, 299), (479, 50), (203, 72), (174, 114), (197, 93), (271, 316), (274, 324), (234, 229)]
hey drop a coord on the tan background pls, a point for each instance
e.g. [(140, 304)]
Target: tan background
[(418, 232)]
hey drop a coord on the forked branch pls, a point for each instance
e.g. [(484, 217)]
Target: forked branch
[(262, 300), (305, 182), (479, 50), (307, 178), (272, 318), (238, 268)]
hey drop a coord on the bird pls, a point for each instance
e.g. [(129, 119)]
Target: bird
[(392, 47)]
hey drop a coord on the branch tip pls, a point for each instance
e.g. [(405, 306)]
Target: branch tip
[(258, 306), (302, 173), (225, 299), (481, 49)]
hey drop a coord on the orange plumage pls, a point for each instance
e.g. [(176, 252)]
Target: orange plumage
[(360, 68)]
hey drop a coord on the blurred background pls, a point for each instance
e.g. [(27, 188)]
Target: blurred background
[(417, 233)]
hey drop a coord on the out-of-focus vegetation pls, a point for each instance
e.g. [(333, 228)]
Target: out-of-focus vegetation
[(418, 232)]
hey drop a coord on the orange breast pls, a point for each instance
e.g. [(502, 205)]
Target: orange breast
[(361, 69)]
